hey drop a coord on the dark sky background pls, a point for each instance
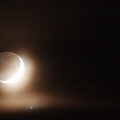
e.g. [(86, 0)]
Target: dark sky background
[(73, 43)]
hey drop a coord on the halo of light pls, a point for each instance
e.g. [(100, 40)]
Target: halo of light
[(17, 76)]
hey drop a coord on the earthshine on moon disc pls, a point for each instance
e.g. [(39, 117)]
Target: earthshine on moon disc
[(7, 59)]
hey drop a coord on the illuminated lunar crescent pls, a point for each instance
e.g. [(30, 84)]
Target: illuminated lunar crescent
[(18, 75)]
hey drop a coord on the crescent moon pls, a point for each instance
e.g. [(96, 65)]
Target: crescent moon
[(18, 75)]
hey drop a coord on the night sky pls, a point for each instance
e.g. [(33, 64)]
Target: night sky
[(74, 45)]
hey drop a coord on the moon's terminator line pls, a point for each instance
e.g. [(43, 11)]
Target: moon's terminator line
[(18, 74)]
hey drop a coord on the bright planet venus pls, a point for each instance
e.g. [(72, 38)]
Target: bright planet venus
[(11, 67)]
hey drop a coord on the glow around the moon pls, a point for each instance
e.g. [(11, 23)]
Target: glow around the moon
[(17, 76)]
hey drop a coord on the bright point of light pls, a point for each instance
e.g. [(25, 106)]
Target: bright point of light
[(18, 75), (31, 107)]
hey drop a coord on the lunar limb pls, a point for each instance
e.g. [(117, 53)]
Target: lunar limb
[(18, 74)]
